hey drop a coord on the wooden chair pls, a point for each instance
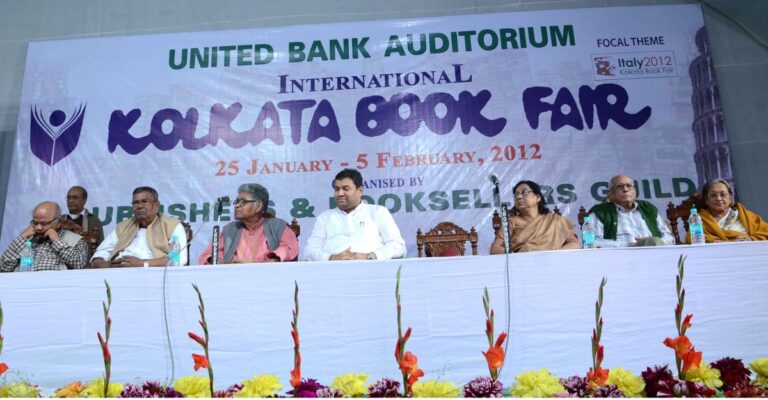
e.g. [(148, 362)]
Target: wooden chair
[(582, 214), (446, 239), (683, 211)]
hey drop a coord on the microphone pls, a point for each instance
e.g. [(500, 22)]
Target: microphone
[(223, 199), (494, 179)]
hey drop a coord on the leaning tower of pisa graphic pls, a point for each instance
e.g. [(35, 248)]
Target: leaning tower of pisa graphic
[(713, 155)]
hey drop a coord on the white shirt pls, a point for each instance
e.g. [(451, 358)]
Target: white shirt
[(139, 247), (630, 226), (368, 228)]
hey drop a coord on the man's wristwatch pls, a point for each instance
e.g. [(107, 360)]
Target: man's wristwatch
[(371, 256)]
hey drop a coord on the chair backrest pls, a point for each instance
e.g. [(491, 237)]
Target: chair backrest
[(683, 211), (446, 239), (582, 214), (189, 234), (91, 237)]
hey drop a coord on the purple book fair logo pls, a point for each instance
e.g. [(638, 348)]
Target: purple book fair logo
[(54, 139)]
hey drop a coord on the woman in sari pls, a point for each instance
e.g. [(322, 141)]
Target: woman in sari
[(725, 220), (534, 228)]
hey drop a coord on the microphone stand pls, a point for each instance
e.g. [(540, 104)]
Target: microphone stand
[(215, 239), (504, 216)]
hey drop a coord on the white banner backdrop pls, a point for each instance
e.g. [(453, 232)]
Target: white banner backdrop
[(426, 109)]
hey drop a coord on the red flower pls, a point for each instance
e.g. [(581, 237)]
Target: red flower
[(3, 368), (494, 357), (600, 354), (597, 378), (415, 375), (691, 359), (296, 377), (200, 361), (196, 338), (104, 347), (409, 363), (680, 344), (687, 321)]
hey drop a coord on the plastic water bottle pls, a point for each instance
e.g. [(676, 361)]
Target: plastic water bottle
[(27, 258), (695, 227), (174, 252), (588, 234)]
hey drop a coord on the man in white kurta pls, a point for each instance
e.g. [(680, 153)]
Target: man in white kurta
[(356, 230)]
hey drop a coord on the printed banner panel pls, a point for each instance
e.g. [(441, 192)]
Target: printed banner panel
[(426, 109)]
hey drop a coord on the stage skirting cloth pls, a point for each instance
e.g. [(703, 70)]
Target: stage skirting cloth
[(347, 320)]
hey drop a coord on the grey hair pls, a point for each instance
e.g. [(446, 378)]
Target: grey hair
[(258, 192)]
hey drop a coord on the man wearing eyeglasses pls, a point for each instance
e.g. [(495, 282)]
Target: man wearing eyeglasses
[(626, 221), (142, 240), (54, 248), (255, 235)]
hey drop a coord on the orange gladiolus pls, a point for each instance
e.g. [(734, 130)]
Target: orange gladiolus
[(196, 338), (409, 363), (3, 368), (680, 344), (414, 376), (495, 357), (691, 359), (597, 378), (200, 361)]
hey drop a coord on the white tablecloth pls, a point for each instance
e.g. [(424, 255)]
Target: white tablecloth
[(347, 318)]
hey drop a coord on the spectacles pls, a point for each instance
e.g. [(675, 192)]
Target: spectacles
[(714, 195), (41, 223), (144, 202), (524, 193), (242, 202), (623, 186)]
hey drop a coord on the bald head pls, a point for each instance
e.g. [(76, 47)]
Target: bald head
[(48, 208), (45, 216)]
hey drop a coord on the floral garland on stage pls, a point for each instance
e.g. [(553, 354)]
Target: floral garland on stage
[(727, 377)]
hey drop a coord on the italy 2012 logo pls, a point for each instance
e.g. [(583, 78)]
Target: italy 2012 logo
[(53, 138)]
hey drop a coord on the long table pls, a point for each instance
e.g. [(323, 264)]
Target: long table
[(347, 319)]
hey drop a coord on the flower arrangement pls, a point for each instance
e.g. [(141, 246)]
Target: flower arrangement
[(296, 371), (202, 361), (596, 376), (406, 360), (104, 343)]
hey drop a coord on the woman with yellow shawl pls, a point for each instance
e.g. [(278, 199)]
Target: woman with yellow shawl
[(725, 220), (534, 228)]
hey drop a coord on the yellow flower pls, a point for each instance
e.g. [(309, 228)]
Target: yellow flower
[(16, 390), (435, 389), (631, 385), (760, 366), (193, 386), (706, 375), (264, 385), (74, 389), (352, 384), (95, 388), (536, 384)]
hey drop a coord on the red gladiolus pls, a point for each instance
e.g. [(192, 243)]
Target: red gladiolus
[(600, 353), (200, 361), (680, 344), (691, 359), (415, 375), (104, 347), (3, 368), (687, 321), (597, 378), (296, 377), (196, 338)]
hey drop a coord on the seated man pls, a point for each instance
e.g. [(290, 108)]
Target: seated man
[(356, 230), (77, 196), (628, 222), (143, 239), (255, 236), (54, 248)]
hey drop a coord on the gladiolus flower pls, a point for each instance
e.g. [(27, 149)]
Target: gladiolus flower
[(495, 357), (296, 377), (200, 361), (104, 347), (414, 376), (409, 363), (691, 359), (3, 368), (600, 354), (196, 338), (597, 378), (680, 344), (687, 321)]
